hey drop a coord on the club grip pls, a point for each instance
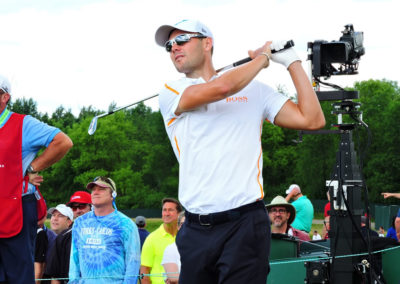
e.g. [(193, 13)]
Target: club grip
[(288, 44), (240, 62)]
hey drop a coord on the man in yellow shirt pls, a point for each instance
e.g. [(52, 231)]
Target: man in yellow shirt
[(157, 241)]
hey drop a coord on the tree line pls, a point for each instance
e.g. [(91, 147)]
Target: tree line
[(132, 147)]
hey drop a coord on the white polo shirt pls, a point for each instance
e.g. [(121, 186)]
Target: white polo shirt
[(218, 145)]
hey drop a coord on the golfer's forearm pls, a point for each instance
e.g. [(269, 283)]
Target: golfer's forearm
[(227, 85)]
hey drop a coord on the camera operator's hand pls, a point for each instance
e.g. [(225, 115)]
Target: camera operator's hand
[(284, 57)]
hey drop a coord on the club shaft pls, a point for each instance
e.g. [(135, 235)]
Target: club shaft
[(124, 107)]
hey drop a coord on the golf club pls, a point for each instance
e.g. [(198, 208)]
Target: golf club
[(93, 123), (288, 44)]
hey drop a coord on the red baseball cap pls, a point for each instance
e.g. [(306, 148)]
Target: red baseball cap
[(81, 197)]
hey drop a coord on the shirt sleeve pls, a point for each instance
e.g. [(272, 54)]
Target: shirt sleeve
[(74, 268), (169, 255), (147, 257), (272, 100), (36, 134), (132, 254), (169, 98)]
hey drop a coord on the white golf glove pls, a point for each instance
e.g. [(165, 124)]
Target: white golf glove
[(284, 57)]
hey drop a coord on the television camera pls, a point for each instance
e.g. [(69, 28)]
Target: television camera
[(346, 183)]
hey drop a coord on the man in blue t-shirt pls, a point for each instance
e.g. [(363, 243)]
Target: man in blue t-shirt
[(304, 208), (143, 233), (21, 138), (105, 243)]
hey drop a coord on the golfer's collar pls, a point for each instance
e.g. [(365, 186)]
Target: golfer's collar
[(201, 79)]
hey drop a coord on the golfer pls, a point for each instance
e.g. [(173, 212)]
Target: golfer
[(214, 123)]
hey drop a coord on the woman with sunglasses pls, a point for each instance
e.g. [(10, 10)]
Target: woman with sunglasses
[(214, 123)]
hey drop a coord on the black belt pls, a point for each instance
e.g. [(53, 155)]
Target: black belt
[(224, 216), (29, 197)]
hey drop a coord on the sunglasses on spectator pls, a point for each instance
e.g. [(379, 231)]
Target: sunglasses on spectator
[(274, 210), (105, 179), (78, 206), (181, 40)]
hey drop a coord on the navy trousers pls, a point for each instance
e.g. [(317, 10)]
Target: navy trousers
[(17, 253), (236, 251)]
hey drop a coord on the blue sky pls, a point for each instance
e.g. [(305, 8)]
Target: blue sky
[(78, 53)]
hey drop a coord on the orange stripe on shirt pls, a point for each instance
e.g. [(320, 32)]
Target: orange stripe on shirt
[(171, 120), (177, 146), (171, 89), (258, 165)]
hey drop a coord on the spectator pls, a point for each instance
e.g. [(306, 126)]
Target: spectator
[(21, 139), (157, 241), (58, 265), (44, 242), (327, 207), (80, 203), (304, 208), (391, 233), (364, 230), (281, 214), (316, 236), (105, 243), (61, 218), (397, 220), (381, 231), (143, 233), (171, 260), (327, 227)]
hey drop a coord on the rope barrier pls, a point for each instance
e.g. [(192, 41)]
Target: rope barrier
[(275, 262), (329, 257)]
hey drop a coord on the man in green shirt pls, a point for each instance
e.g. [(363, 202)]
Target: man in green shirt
[(304, 208), (157, 241)]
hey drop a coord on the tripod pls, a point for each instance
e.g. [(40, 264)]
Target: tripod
[(345, 188)]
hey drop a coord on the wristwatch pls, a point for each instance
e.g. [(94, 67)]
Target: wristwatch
[(30, 170)]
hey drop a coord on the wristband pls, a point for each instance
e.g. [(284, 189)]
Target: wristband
[(266, 54), (30, 170)]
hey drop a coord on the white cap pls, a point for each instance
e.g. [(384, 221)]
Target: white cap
[(5, 84), (193, 26), (64, 210), (291, 187)]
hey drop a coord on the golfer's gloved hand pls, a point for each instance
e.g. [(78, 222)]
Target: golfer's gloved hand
[(284, 57)]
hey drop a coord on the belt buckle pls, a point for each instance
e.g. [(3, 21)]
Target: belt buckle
[(201, 223)]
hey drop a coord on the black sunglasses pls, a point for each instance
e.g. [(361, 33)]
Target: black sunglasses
[(81, 206), (105, 179), (181, 39)]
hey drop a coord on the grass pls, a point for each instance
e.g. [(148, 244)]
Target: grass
[(152, 223)]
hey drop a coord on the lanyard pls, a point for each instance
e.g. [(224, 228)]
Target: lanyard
[(3, 117)]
